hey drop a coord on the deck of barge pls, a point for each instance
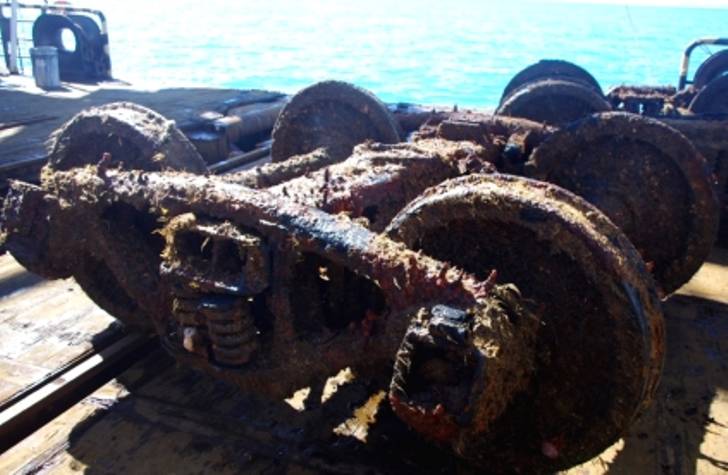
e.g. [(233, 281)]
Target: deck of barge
[(212, 118), (156, 417)]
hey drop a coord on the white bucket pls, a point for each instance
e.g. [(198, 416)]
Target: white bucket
[(45, 67)]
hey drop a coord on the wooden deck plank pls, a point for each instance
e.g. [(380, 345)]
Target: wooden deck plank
[(16, 377), (167, 441), (36, 409), (44, 326), (711, 282), (186, 106), (48, 443)]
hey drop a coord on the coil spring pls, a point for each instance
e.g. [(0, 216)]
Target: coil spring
[(217, 327)]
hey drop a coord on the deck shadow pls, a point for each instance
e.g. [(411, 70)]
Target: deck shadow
[(17, 281)]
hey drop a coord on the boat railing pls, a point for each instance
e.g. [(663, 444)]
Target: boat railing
[(16, 24), (685, 64)]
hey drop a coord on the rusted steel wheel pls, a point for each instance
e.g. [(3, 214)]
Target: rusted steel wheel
[(647, 177), (715, 66), (712, 99), (139, 137), (599, 347), (551, 69), (334, 115), (135, 138), (553, 101)]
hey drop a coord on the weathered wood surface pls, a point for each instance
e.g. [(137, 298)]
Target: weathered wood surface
[(188, 107), (158, 418), (44, 326), (46, 402)]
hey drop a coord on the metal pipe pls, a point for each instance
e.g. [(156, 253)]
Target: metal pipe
[(44, 7), (13, 66)]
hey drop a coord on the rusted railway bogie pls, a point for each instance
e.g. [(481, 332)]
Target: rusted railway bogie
[(635, 169), (702, 101), (530, 95), (701, 115), (265, 290), (375, 184), (697, 108), (248, 283), (647, 178)]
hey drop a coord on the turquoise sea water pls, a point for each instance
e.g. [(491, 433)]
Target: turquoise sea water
[(426, 51)]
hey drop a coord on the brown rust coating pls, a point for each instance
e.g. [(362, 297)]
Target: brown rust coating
[(378, 179), (550, 69), (508, 140), (272, 174), (648, 178), (711, 99), (333, 115), (36, 230), (600, 344), (450, 391), (404, 279), (710, 137), (653, 101), (30, 231), (334, 289), (553, 101), (475, 126), (129, 133), (114, 135)]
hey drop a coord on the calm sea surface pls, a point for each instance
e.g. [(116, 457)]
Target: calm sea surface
[(436, 52)]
